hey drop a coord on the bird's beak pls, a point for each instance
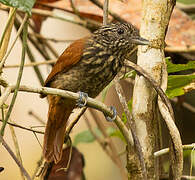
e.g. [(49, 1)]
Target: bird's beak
[(139, 41)]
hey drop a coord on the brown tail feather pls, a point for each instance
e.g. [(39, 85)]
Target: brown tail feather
[(58, 114)]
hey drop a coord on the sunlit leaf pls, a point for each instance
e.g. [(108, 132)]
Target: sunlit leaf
[(176, 83), (171, 68)]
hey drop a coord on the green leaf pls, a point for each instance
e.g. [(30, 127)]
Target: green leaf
[(112, 132), (130, 74), (83, 137), (86, 136), (179, 67), (24, 5), (176, 83)]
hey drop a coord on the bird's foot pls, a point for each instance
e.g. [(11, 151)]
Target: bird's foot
[(82, 101), (114, 112)]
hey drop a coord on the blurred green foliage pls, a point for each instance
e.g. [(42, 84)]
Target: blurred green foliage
[(25, 5), (187, 1)]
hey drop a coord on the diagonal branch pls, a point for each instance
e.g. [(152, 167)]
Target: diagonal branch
[(74, 96), (130, 120), (14, 157)]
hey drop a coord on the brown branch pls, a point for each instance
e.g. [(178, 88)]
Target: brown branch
[(74, 96), (82, 111), (130, 120)]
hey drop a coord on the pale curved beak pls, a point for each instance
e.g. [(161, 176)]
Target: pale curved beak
[(139, 41)]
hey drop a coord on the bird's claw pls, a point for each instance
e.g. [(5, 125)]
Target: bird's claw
[(114, 112), (82, 101)]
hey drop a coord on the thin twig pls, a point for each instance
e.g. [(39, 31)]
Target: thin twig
[(31, 113), (36, 69), (105, 12), (11, 47), (24, 128), (32, 64), (114, 15), (166, 150), (130, 120), (7, 32), (37, 43), (30, 55), (87, 22), (39, 48), (25, 31), (17, 148), (53, 50), (48, 13), (15, 158), (39, 163), (82, 111), (39, 36), (74, 9)]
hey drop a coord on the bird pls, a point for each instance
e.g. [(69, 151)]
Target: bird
[(88, 65)]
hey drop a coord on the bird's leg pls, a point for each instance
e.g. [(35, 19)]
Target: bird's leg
[(82, 101), (114, 112)]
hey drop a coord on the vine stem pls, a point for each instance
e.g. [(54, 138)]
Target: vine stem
[(24, 45)]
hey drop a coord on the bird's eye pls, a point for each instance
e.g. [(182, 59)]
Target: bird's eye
[(120, 31)]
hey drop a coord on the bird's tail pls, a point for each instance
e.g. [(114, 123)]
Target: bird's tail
[(58, 114)]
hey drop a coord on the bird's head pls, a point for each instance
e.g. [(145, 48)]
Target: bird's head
[(119, 36)]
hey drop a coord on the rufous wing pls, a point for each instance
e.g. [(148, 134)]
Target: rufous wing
[(69, 57)]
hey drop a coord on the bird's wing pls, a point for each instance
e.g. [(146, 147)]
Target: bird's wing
[(69, 57)]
